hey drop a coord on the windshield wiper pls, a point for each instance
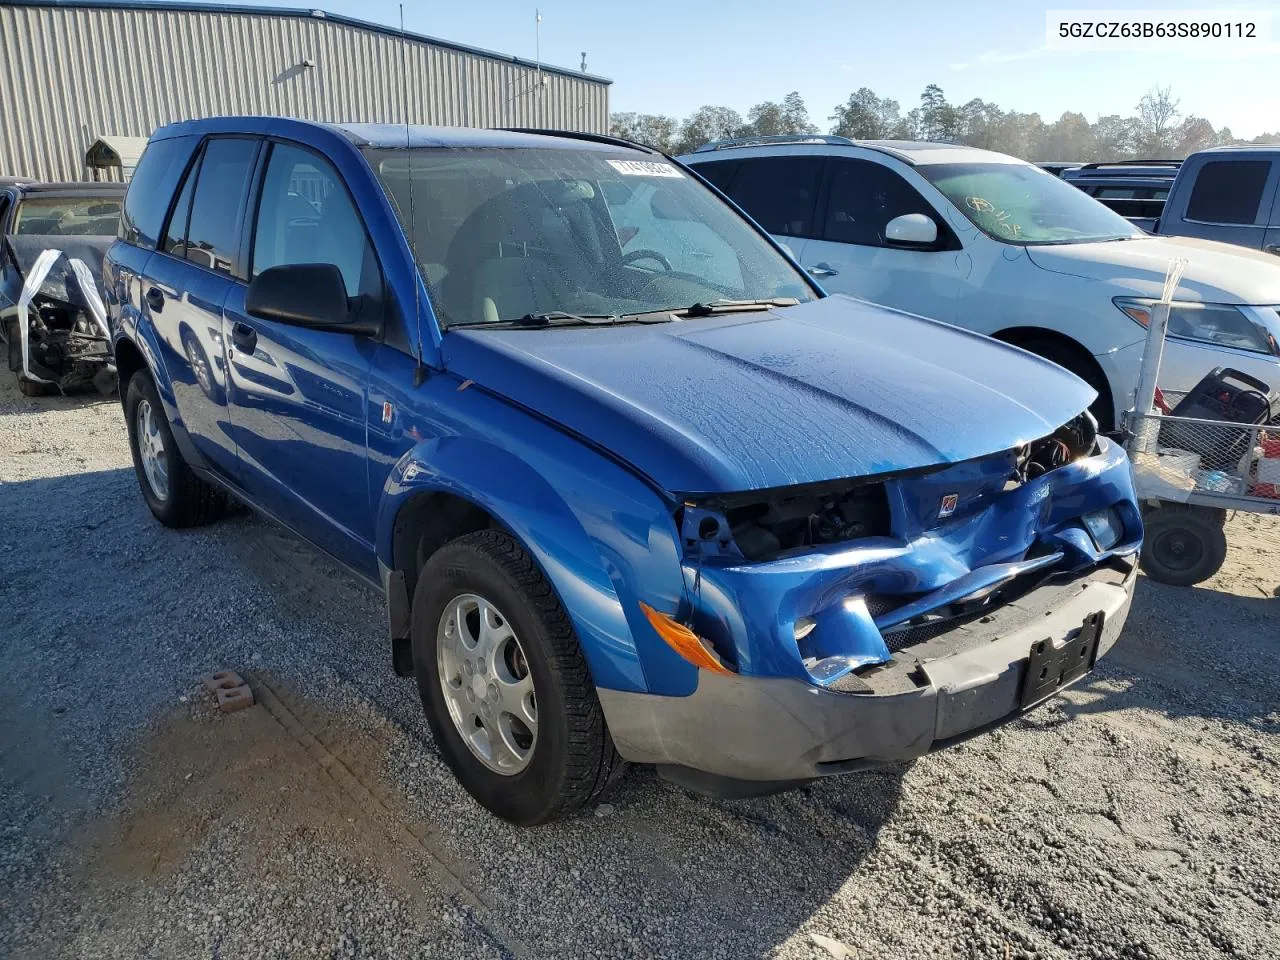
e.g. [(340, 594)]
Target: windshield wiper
[(548, 318), (732, 306)]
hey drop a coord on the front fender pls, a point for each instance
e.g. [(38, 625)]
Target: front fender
[(605, 546)]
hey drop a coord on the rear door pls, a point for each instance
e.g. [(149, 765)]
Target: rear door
[(1230, 200), (851, 256), (195, 267), (298, 396)]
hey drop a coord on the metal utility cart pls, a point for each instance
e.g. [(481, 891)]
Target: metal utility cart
[(1191, 470)]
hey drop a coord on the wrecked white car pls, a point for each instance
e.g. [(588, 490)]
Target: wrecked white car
[(51, 313)]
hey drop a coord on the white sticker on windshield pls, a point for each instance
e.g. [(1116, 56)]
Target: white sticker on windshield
[(645, 168)]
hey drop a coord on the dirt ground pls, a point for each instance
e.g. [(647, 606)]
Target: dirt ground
[(1136, 817)]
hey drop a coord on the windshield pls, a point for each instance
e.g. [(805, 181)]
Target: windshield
[(68, 216), (1018, 203), (502, 234)]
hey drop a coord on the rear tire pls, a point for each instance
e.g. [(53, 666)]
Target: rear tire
[(1184, 545), (176, 496), (1077, 361), (565, 758)]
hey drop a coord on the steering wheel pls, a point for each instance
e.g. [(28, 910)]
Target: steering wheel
[(634, 255)]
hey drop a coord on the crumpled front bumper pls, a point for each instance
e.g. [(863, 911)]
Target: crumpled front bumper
[(745, 728)]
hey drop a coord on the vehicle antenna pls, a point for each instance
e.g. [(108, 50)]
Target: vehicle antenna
[(420, 371)]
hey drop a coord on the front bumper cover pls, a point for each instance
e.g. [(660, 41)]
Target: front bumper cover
[(766, 729)]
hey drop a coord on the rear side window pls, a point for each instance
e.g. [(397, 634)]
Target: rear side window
[(863, 197), (305, 215), (151, 189), (213, 231), (1228, 191), (720, 173), (779, 193)]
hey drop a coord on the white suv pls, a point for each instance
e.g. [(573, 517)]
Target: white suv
[(997, 245)]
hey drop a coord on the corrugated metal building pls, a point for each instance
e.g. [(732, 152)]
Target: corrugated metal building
[(71, 72)]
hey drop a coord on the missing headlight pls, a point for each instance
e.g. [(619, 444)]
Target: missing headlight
[(1075, 439), (769, 524)]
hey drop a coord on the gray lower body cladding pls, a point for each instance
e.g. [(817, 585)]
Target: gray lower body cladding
[(930, 695)]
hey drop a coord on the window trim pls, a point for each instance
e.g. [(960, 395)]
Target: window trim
[(249, 226), (947, 239)]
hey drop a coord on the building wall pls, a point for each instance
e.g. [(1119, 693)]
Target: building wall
[(69, 74)]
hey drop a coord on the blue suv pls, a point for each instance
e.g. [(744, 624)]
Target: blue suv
[(634, 488)]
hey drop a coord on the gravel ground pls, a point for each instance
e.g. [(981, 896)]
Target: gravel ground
[(1137, 817)]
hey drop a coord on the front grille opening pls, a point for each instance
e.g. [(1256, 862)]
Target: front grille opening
[(952, 615)]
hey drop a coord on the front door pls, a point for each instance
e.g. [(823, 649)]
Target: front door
[(850, 254), (299, 396)]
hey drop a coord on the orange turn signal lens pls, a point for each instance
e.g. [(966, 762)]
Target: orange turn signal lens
[(684, 641)]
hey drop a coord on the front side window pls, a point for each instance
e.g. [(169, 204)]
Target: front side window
[(1021, 204), (861, 200), (501, 234), (779, 192), (305, 215), (1228, 191), (78, 216), (213, 231)]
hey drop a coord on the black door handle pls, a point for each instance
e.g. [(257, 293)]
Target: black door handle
[(155, 299), (244, 337)]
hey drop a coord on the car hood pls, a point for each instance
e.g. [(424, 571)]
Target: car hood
[(59, 283), (825, 390), (1216, 272)]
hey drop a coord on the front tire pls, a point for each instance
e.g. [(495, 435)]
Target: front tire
[(504, 683), (176, 496)]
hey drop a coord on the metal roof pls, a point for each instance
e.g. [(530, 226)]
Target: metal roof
[(306, 13)]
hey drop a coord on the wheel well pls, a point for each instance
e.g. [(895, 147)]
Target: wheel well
[(1083, 364), (425, 524), (128, 362)]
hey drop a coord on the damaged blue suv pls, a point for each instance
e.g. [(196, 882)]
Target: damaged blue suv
[(633, 487)]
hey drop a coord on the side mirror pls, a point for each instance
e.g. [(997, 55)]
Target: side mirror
[(305, 295), (911, 230)]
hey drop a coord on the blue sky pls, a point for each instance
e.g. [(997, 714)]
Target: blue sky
[(672, 56)]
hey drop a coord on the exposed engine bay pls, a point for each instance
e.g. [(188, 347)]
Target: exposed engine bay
[(65, 343), (763, 525)]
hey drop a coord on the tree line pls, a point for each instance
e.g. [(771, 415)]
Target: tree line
[(1157, 129)]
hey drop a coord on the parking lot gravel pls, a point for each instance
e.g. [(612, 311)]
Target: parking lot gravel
[(1136, 817)]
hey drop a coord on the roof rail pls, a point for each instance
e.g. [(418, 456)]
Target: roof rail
[(732, 142), (1131, 163), (577, 135)]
